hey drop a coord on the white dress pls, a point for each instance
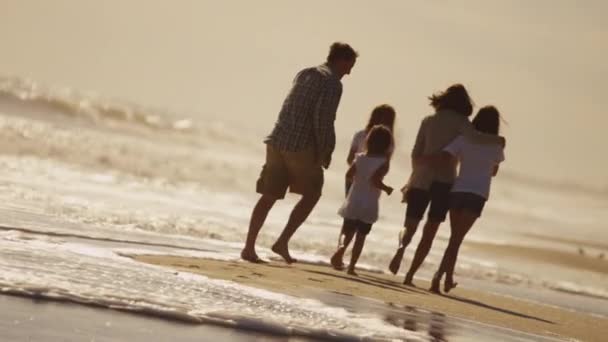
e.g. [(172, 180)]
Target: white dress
[(362, 200)]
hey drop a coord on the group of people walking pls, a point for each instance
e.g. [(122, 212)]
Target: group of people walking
[(453, 162)]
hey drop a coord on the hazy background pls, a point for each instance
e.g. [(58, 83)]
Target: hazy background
[(542, 63)]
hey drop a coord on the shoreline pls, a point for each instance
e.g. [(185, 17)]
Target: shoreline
[(477, 306)]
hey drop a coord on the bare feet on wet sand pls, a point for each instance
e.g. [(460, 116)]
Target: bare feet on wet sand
[(435, 284), (336, 262), (352, 272), (448, 285), (251, 256), (409, 281), (283, 252)]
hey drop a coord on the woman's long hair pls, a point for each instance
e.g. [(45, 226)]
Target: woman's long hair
[(382, 115), (455, 98)]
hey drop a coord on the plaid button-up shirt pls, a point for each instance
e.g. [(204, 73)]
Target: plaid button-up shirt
[(307, 117)]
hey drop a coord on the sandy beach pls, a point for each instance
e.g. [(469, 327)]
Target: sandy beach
[(300, 279)]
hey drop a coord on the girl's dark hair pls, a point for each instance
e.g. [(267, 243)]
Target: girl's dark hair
[(455, 98), (382, 115), (379, 140), (487, 120)]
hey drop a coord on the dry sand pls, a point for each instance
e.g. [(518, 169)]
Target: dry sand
[(300, 279)]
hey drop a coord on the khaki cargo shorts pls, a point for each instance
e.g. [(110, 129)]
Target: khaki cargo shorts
[(299, 171)]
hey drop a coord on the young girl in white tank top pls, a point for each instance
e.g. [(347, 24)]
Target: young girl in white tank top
[(360, 208)]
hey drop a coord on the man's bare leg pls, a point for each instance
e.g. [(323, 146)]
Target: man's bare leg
[(299, 214), (405, 237), (258, 217)]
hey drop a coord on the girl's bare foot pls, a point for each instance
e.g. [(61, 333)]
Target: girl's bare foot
[(435, 284), (409, 280), (336, 261), (448, 285), (396, 262), (352, 272)]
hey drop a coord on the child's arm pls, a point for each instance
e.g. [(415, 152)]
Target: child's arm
[(351, 171), (351, 156), (378, 177)]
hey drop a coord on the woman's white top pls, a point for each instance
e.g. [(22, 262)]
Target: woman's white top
[(477, 163)]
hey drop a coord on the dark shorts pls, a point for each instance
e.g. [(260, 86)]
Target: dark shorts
[(356, 226), (467, 201), (439, 198)]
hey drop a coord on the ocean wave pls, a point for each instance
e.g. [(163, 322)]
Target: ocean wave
[(88, 106)]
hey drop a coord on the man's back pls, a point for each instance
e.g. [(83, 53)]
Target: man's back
[(314, 89)]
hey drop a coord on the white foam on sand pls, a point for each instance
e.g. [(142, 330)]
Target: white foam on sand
[(98, 276)]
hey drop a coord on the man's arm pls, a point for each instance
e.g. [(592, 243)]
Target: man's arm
[(350, 173), (324, 116)]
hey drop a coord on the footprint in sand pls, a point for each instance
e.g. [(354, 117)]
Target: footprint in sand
[(317, 280), (257, 274)]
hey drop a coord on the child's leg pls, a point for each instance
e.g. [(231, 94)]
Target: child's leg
[(362, 230), (464, 223), (348, 232), (356, 252), (455, 215)]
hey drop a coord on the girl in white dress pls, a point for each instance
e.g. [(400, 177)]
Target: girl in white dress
[(384, 115), (360, 209)]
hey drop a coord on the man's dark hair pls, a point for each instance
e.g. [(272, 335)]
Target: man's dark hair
[(455, 98), (341, 51)]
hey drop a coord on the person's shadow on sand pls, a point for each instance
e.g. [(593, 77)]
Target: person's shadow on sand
[(495, 308)]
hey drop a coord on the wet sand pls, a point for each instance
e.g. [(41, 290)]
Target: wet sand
[(26, 319), (302, 279)]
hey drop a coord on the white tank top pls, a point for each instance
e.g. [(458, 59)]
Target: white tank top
[(361, 203)]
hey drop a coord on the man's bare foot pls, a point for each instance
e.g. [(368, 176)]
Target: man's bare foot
[(283, 252), (352, 272), (409, 280), (449, 284), (435, 284), (396, 262), (336, 261), (251, 256)]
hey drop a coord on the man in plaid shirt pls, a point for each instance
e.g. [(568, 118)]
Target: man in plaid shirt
[(300, 146)]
